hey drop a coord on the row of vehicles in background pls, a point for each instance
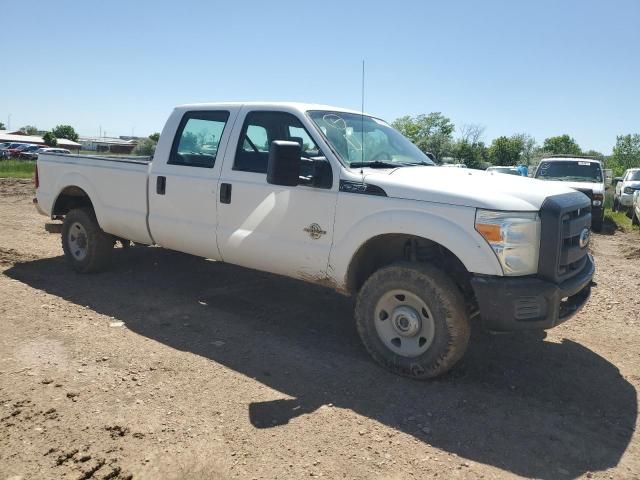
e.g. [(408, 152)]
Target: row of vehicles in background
[(27, 151), (627, 194)]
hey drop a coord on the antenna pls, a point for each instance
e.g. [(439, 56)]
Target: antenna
[(362, 123)]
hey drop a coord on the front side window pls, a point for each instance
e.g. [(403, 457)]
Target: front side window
[(198, 138), (262, 128), (570, 171), (360, 141)]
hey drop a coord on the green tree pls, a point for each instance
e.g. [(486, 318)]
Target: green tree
[(626, 154), (145, 147), (529, 147), (50, 139), (29, 130), (473, 155), (155, 137), (561, 145), (65, 131), (430, 133), (2, 127), (594, 153), (505, 151)]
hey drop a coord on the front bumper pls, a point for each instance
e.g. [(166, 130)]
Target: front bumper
[(531, 303), (626, 199)]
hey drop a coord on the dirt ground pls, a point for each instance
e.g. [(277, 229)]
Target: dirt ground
[(169, 367)]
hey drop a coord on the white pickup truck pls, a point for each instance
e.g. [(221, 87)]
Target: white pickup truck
[(338, 198), (584, 174)]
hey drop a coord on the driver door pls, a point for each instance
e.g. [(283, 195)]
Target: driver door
[(284, 230)]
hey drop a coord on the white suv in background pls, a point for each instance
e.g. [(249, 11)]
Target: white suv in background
[(630, 182)]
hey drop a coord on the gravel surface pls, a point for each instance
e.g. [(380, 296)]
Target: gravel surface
[(171, 366)]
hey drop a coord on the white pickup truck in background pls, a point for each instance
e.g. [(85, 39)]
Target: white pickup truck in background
[(584, 174), (334, 197)]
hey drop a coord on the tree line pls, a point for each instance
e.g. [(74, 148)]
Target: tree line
[(434, 133)]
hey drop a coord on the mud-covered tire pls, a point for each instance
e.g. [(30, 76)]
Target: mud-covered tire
[(87, 248), (447, 316)]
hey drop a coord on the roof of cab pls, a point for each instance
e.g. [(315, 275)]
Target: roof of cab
[(571, 158), (299, 106)]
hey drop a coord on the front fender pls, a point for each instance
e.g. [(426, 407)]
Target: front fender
[(448, 225)]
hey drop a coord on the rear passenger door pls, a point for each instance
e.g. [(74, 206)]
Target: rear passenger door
[(183, 187), (284, 230)]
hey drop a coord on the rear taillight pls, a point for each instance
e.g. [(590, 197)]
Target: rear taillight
[(36, 179)]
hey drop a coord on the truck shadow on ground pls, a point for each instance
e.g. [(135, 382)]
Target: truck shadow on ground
[(534, 408)]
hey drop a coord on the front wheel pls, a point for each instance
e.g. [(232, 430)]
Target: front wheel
[(412, 320), (634, 217), (87, 247)]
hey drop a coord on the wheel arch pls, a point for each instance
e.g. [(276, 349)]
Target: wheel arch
[(70, 197), (390, 236), (385, 249)]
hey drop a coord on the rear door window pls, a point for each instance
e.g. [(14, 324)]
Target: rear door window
[(198, 138)]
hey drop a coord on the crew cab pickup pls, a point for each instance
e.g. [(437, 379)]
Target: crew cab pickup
[(338, 198), (583, 174)]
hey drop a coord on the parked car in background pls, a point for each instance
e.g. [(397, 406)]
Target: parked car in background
[(7, 146), (15, 152), (625, 188), (635, 208), (26, 153), (33, 155), (580, 173), (507, 170)]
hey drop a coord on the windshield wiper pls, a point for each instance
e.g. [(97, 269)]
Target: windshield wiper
[(376, 164), (426, 164)]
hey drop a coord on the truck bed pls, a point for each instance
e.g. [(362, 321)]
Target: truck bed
[(117, 187)]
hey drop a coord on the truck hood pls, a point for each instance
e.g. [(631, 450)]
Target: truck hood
[(633, 184), (595, 187), (465, 187)]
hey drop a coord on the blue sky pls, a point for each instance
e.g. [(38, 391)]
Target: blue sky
[(541, 67)]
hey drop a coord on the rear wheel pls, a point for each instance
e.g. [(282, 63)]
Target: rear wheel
[(86, 247), (412, 320)]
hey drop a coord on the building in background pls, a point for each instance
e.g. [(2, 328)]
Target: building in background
[(18, 136), (108, 144)]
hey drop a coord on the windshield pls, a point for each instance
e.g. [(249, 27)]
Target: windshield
[(634, 176), (363, 141), (570, 171)]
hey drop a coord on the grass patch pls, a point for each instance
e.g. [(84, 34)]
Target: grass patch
[(17, 168), (621, 220)]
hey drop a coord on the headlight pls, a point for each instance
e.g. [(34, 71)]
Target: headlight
[(514, 238), (629, 190), (597, 199)]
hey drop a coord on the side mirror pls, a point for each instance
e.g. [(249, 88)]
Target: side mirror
[(283, 167), (617, 180)]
